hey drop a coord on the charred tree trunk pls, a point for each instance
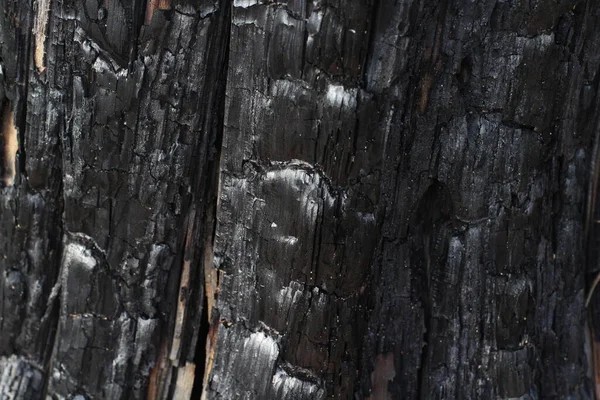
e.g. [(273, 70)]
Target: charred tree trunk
[(298, 200)]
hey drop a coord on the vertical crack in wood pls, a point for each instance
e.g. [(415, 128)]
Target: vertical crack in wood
[(11, 144), (182, 301), (471, 353), (211, 348), (192, 341), (432, 66), (207, 340)]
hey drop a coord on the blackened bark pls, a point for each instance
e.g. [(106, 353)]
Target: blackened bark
[(105, 224), (298, 200)]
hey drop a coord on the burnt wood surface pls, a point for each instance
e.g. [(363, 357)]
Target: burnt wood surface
[(366, 199)]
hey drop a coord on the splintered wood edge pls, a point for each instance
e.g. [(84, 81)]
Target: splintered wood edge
[(160, 378), (211, 348), (181, 312), (183, 292), (185, 382), (212, 280), (39, 30)]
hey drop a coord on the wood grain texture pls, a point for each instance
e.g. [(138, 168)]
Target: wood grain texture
[(409, 189), (119, 142), (298, 200)]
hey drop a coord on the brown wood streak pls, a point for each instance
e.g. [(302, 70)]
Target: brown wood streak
[(153, 5), (185, 382), (424, 88), (211, 283), (383, 373), (11, 144), (39, 30), (432, 61), (183, 290), (159, 374), (211, 341)]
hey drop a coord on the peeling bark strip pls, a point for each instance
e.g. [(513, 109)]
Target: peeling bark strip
[(298, 200), (11, 145)]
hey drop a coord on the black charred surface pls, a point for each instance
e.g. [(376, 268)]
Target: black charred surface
[(297, 200), (119, 133)]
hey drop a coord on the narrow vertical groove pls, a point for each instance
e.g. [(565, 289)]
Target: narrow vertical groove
[(373, 17), (191, 336), (205, 344), (184, 285)]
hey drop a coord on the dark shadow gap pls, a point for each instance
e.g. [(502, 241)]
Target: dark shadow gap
[(219, 50), (200, 356)]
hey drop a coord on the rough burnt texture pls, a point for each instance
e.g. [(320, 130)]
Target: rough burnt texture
[(298, 200), (103, 227)]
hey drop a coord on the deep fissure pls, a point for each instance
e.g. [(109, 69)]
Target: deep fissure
[(220, 52)]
